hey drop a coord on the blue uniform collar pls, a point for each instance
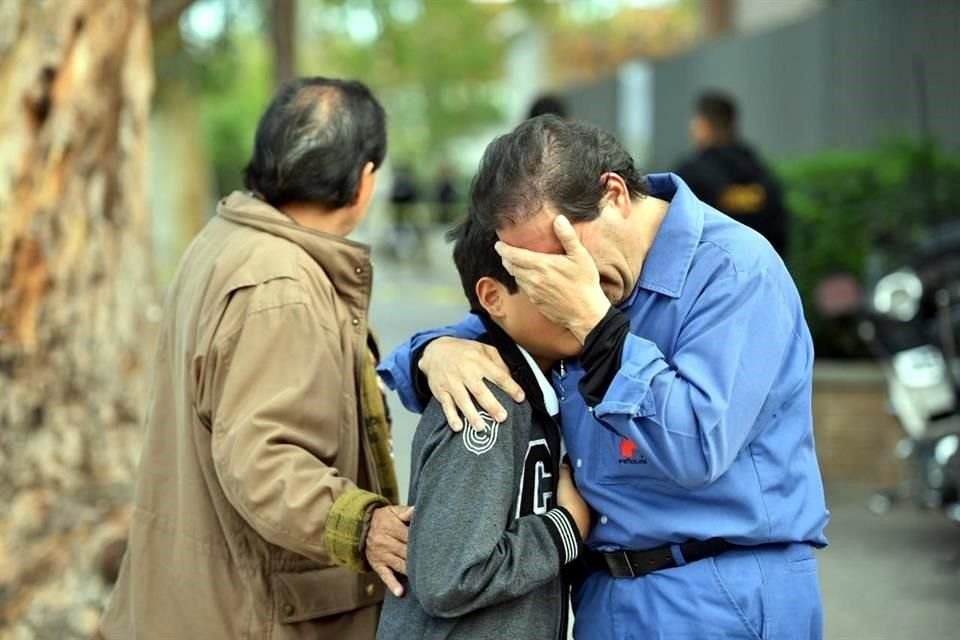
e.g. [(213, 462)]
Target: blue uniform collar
[(665, 269)]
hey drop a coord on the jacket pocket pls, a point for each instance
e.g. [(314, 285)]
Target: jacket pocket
[(318, 593), (739, 577), (801, 559)]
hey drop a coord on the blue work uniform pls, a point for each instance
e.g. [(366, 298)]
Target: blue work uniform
[(705, 431)]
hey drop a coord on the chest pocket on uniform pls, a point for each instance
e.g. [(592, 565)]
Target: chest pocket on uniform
[(619, 460)]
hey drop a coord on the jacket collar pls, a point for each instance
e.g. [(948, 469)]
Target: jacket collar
[(346, 263), (550, 400), (520, 368), (666, 267)]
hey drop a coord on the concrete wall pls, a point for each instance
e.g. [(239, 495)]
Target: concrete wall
[(845, 77), (757, 15), (855, 433), (622, 103)]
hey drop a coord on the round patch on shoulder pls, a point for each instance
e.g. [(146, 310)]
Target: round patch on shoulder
[(479, 442)]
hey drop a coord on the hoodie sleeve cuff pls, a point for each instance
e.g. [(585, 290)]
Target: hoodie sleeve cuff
[(602, 354), (563, 530), (421, 388)]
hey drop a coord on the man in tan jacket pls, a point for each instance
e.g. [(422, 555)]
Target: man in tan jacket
[(265, 484)]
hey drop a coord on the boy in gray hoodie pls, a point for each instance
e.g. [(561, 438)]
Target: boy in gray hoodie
[(497, 515)]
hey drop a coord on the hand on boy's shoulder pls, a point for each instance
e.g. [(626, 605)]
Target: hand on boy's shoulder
[(480, 442), (434, 414), (459, 373), (477, 441)]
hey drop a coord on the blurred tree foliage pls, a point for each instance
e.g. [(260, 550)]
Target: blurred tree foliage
[(591, 39), (220, 59), (862, 212), (436, 66)]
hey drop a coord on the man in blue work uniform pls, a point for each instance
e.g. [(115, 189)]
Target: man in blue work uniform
[(688, 415)]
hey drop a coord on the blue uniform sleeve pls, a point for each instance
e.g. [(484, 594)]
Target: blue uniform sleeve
[(397, 368), (695, 413)]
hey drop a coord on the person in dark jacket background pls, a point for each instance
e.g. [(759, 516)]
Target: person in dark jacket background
[(727, 173), (548, 103)]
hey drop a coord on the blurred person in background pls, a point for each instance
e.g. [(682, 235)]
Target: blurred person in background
[(548, 104), (408, 236), (445, 194), (265, 485), (726, 173), (687, 415)]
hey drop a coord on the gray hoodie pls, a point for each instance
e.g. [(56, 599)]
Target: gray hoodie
[(487, 542)]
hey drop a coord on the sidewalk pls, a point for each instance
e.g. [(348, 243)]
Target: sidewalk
[(891, 577)]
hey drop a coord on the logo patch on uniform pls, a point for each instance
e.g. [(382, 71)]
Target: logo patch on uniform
[(628, 453), (479, 442)]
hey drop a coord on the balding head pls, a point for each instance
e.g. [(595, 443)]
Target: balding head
[(313, 141)]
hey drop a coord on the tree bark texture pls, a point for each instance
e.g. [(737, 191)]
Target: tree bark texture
[(283, 31), (76, 298)]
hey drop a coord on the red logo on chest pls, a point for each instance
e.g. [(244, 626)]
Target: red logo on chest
[(627, 448)]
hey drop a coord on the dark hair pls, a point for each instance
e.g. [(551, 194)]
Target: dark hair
[(313, 141), (475, 257), (548, 104), (719, 110), (549, 161)]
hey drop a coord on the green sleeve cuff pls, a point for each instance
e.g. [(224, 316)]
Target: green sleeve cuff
[(346, 528)]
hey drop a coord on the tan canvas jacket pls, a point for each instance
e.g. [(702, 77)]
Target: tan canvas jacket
[(254, 453)]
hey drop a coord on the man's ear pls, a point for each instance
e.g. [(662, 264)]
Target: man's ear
[(616, 193), (368, 180), (490, 294)]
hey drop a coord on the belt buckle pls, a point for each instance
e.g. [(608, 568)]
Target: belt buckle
[(613, 560)]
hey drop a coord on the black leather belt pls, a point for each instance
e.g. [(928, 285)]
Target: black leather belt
[(633, 564)]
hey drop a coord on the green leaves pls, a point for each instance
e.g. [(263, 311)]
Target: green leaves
[(857, 209), (433, 64)]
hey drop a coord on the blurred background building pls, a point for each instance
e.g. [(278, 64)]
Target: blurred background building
[(854, 103)]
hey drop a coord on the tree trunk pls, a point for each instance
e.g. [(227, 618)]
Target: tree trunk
[(718, 17), (283, 36), (75, 296)]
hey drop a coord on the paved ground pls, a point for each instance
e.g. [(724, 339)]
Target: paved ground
[(895, 577)]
